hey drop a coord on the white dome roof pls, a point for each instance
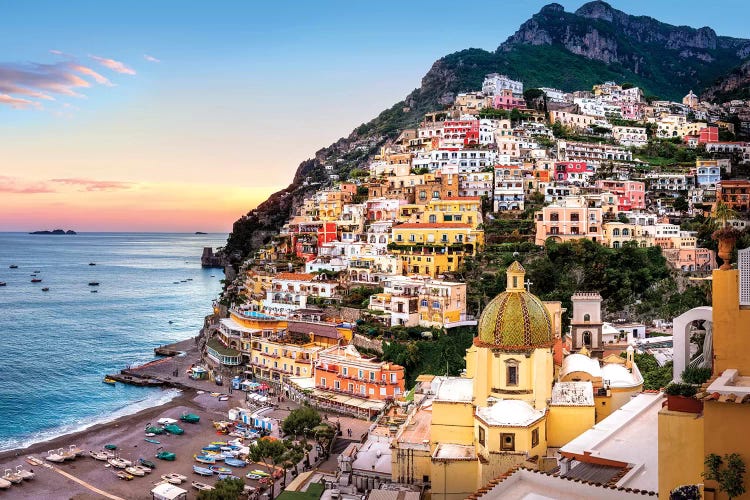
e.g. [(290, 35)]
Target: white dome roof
[(619, 376), (511, 413), (580, 363)]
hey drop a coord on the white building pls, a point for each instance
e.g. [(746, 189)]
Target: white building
[(509, 189), (495, 83), (476, 184), (630, 136)]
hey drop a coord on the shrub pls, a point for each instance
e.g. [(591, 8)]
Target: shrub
[(677, 389), (696, 374)]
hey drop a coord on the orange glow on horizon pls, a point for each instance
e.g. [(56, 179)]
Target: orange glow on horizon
[(149, 207)]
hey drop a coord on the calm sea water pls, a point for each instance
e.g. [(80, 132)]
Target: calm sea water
[(57, 345)]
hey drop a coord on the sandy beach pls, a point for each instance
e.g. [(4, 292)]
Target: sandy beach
[(128, 434)]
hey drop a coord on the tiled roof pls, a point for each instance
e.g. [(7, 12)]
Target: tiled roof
[(295, 276), (317, 329)]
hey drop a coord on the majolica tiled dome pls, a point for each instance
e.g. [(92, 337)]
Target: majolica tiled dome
[(515, 319)]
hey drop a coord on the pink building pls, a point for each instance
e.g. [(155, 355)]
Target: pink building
[(506, 100), (631, 195), (571, 218), (691, 259)]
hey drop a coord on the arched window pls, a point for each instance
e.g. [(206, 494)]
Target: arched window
[(615, 232), (587, 338), (616, 244), (586, 317), (626, 232), (433, 219)]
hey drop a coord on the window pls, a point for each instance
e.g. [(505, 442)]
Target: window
[(586, 317), (554, 217), (433, 218), (512, 374), (322, 382), (535, 437), (361, 374), (372, 375), (336, 384), (574, 217), (444, 238), (411, 237), (346, 370), (587, 338), (507, 441), (481, 435), (393, 378)]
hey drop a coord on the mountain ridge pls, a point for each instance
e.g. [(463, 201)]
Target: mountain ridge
[(556, 48)]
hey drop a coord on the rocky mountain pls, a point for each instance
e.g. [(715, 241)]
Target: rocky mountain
[(567, 50), (735, 85)]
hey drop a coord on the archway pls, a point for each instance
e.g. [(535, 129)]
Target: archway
[(681, 337)]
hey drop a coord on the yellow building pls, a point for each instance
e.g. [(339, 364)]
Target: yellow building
[(434, 248), (686, 437), (467, 210), (505, 410)]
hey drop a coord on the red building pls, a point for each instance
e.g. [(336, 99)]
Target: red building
[(342, 369), (631, 195), (708, 134), (571, 170)]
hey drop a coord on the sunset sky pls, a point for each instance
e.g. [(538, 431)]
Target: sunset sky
[(181, 116)]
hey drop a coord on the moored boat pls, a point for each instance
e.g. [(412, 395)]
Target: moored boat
[(205, 459), (119, 463), (147, 463), (54, 456), (93, 283), (110, 446), (36, 280), (109, 381), (174, 429), (67, 454), (45, 289), (190, 418), (201, 486), (166, 455), (13, 266), (75, 450), (11, 476), (2, 283), (123, 475), (153, 441), (234, 462), (174, 478), (4, 485), (25, 474), (134, 471), (217, 469), (99, 455), (92, 263), (202, 471), (152, 429)]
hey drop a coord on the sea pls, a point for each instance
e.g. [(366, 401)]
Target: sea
[(56, 346)]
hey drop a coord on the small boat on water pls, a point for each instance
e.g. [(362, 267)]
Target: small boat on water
[(94, 291), (25, 474), (202, 471), (93, 283), (190, 418), (217, 469), (45, 289), (123, 475), (92, 263), (153, 441), (166, 455), (234, 462), (11, 476), (134, 471), (201, 486), (174, 478), (2, 283), (189, 279), (147, 463), (99, 455), (205, 459), (54, 456), (109, 381), (13, 266), (36, 280)]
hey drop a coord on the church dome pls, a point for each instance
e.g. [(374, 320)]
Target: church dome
[(515, 319)]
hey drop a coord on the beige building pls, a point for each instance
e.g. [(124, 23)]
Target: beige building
[(572, 218)]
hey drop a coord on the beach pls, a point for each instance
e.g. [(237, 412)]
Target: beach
[(128, 434)]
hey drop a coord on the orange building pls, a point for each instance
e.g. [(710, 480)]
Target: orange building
[(735, 193), (342, 369)]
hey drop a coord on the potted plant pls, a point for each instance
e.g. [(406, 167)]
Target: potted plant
[(726, 235), (686, 492), (680, 398)]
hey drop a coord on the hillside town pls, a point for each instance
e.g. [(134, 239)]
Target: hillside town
[(551, 398)]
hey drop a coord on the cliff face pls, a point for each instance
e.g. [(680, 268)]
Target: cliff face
[(735, 85), (567, 50)]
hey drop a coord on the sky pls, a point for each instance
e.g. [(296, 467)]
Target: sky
[(181, 116)]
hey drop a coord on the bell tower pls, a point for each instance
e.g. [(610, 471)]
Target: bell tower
[(586, 325)]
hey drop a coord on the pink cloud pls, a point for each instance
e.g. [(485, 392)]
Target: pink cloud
[(19, 186), (93, 74), (95, 185), (151, 58), (16, 102), (116, 66)]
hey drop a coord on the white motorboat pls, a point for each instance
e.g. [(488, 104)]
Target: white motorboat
[(75, 450), (66, 454), (201, 486), (166, 421), (135, 471), (25, 474), (143, 468), (100, 455), (174, 478), (119, 463), (54, 456), (11, 476)]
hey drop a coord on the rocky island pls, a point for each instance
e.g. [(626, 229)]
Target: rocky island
[(55, 231)]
